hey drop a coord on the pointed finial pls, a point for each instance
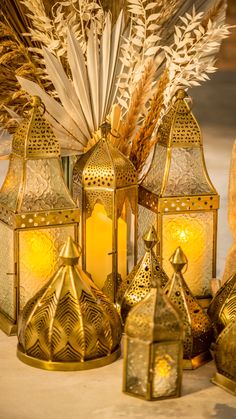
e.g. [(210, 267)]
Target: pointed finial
[(35, 101), (70, 252), (178, 260), (180, 94), (105, 129), (150, 238)]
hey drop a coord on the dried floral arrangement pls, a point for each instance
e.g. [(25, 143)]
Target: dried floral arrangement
[(86, 67)]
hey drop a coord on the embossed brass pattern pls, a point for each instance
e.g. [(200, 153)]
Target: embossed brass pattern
[(33, 198), (222, 309), (104, 176), (138, 283), (153, 349), (197, 325), (177, 183), (69, 324), (225, 354)]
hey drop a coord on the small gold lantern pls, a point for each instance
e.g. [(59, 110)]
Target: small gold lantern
[(153, 348), (37, 214), (197, 325), (178, 197), (222, 309), (138, 283), (105, 185), (225, 355), (70, 324)]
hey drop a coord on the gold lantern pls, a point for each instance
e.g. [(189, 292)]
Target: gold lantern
[(222, 309), (178, 197), (138, 283), (225, 355), (153, 348), (37, 214), (197, 325), (105, 184), (70, 324)]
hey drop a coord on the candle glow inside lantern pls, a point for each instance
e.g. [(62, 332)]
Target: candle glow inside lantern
[(37, 214), (105, 185), (178, 197)]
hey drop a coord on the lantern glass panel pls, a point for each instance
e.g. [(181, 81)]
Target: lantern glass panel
[(194, 232), (131, 237), (99, 245), (7, 277), (146, 218), (137, 367), (155, 176), (122, 243), (165, 369), (38, 257)]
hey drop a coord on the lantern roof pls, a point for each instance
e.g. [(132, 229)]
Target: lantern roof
[(70, 323), (222, 309), (34, 181), (225, 354), (143, 276), (198, 327), (105, 167)]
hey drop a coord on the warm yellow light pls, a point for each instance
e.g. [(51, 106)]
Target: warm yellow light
[(163, 366)]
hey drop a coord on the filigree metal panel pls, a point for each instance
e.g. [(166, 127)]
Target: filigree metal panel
[(146, 218)]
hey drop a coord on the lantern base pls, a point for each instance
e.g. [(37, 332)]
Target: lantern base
[(226, 383), (197, 361), (67, 366), (7, 325)]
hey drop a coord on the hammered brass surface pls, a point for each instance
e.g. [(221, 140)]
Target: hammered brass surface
[(225, 352), (222, 309), (197, 325), (138, 283), (69, 321)]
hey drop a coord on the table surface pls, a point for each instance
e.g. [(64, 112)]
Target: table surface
[(29, 393)]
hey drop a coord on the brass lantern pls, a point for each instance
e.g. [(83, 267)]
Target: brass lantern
[(37, 214), (69, 324), (178, 197), (222, 309), (153, 348), (105, 185), (138, 283), (198, 331), (225, 355)]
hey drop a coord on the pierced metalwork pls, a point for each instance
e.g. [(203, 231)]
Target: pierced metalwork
[(197, 325), (33, 198), (177, 184), (222, 309), (70, 324)]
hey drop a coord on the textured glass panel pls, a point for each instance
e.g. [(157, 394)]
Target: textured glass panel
[(7, 290), (186, 174), (44, 186), (122, 244), (165, 378), (153, 180), (194, 233), (146, 218), (137, 367), (39, 258), (11, 186)]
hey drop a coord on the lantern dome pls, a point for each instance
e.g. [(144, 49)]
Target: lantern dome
[(70, 324)]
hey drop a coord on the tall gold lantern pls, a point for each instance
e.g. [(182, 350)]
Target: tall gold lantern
[(69, 324), (225, 355), (105, 185), (37, 214), (178, 197), (153, 348)]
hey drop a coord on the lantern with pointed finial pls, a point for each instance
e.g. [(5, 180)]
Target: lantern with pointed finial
[(178, 197), (70, 324), (153, 348), (138, 283), (222, 309), (105, 185), (225, 355), (37, 214), (197, 325)]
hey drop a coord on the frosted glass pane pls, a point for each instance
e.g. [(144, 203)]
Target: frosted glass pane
[(153, 180), (122, 244), (186, 174), (137, 367), (194, 233), (146, 218), (7, 290), (165, 378), (39, 258)]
